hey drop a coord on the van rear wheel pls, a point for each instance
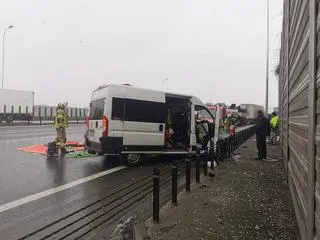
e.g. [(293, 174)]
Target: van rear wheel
[(133, 159)]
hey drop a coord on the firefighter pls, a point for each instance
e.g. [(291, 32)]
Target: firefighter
[(201, 131), (228, 123), (61, 123), (168, 129)]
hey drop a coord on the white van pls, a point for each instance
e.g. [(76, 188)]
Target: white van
[(131, 122)]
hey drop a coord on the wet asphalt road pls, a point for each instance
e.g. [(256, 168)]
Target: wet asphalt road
[(23, 174)]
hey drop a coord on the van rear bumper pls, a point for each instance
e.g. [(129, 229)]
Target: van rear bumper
[(92, 146), (107, 145), (111, 145)]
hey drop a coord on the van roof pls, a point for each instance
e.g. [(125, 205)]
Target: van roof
[(196, 100)]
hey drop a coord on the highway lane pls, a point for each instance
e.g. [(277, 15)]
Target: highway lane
[(23, 175), (24, 219)]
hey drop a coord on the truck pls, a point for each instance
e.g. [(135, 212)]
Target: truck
[(222, 112), (249, 111), (16, 105)]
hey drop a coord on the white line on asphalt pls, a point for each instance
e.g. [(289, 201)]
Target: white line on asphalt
[(21, 201), (31, 138)]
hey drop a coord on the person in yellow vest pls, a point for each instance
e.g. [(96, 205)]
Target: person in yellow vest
[(61, 123), (228, 123), (274, 124)]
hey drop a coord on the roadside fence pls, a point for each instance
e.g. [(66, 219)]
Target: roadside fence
[(224, 149), (39, 114)]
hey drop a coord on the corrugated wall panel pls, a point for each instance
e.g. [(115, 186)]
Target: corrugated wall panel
[(300, 213), (299, 108), (317, 160)]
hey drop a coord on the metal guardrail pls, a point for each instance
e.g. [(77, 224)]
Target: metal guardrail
[(111, 207), (40, 114), (224, 149)]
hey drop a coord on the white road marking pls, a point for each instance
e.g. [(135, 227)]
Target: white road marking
[(21, 201)]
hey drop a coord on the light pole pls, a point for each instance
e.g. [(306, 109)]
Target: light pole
[(3, 40), (267, 63), (165, 79)]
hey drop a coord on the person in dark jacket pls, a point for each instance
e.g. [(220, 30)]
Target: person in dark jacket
[(262, 131)]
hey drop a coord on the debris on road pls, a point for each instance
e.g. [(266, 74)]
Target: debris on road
[(42, 148), (124, 230)]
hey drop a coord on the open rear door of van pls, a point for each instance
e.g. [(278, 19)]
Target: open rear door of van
[(96, 120)]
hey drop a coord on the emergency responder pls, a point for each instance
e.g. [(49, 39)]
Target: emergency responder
[(201, 131), (228, 123), (274, 124), (168, 129), (61, 123)]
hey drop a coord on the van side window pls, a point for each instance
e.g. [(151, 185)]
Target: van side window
[(97, 109), (117, 109), (144, 111)]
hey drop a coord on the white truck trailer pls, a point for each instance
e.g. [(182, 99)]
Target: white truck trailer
[(249, 111), (16, 105)]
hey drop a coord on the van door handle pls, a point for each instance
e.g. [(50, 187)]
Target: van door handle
[(96, 124), (161, 128)]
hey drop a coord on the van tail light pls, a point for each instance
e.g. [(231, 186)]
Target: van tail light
[(105, 126), (87, 121)]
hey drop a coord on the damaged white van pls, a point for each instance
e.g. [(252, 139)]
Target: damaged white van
[(132, 122)]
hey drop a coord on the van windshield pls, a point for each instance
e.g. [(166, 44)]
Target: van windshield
[(97, 109)]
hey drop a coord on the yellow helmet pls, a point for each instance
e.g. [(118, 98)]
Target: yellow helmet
[(63, 105)]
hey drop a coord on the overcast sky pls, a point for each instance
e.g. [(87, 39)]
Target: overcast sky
[(64, 49)]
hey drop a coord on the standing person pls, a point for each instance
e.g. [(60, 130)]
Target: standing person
[(228, 123), (274, 123), (61, 123), (168, 129), (262, 131)]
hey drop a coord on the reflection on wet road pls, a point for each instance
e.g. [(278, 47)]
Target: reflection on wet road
[(24, 173), (36, 190)]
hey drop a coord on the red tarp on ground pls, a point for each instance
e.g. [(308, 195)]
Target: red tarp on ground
[(42, 149)]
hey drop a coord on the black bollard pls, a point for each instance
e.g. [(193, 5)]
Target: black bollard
[(228, 147), (205, 157), (212, 158), (175, 183), (218, 153), (198, 166), (188, 175), (156, 194)]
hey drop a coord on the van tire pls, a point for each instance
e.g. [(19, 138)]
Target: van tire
[(132, 159), (92, 152)]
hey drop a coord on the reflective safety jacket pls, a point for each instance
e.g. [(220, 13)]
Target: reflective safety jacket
[(227, 124), (61, 120), (274, 122)]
